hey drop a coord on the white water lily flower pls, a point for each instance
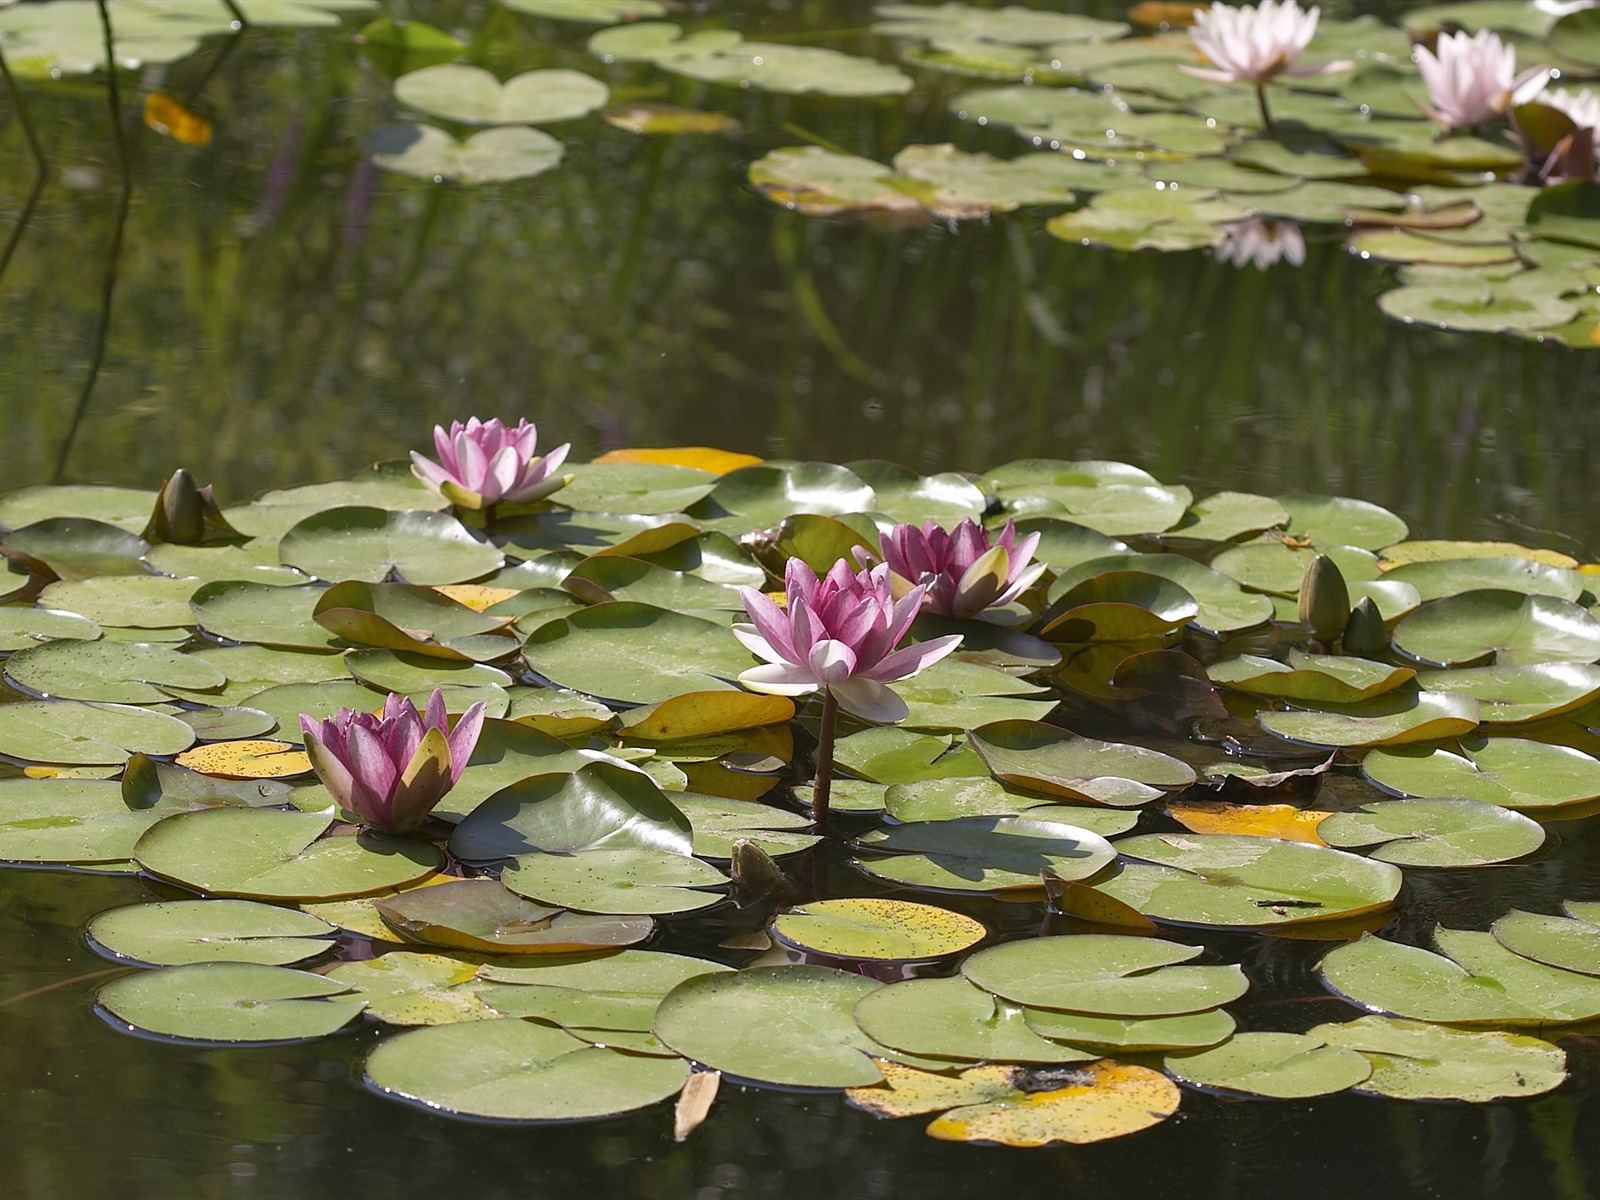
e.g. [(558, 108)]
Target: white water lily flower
[(1583, 108), (1255, 43), (1473, 80), (1260, 243)]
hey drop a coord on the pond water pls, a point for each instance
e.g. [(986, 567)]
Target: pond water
[(283, 312)]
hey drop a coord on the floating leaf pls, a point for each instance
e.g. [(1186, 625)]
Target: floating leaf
[(1285, 1066), (69, 821), (1499, 627), (944, 799), (1434, 580), (262, 613), (1189, 1031), (1246, 882), (1225, 607), (1048, 759), (373, 544), (1253, 820), (1120, 606), (412, 619), (230, 1002), (1406, 715), (950, 1018), (1479, 983), (789, 1026), (630, 879), (1511, 772), (118, 673), (1106, 974), (267, 854), (776, 67), (984, 854), (125, 601), (473, 96), (491, 156), (868, 928), (175, 932), (72, 731), (246, 759), (1310, 678), (24, 627), (1565, 942), (1416, 1061), (636, 653)]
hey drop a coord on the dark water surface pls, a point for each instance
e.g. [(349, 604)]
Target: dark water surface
[(283, 314)]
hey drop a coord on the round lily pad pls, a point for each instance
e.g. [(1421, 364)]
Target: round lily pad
[(230, 1002), (226, 724), (77, 732), (69, 821), (951, 1018), (264, 614), (407, 988), (1105, 974), (1225, 607), (175, 932), (373, 544), (1511, 695), (1188, 1031), (984, 854), (870, 928), (287, 702), (473, 96), (1341, 521), (269, 854), (24, 627), (1284, 1066), (1412, 1060), (125, 601), (398, 671), (1434, 580), (1434, 833), (1565, 942), (1246, 882), (618, 990), (1512, 772), (1046, 758), (1310, 678), (119, 673), (628, 879), (636, 653), (1391, 719), (944, 799), (490, 156), (1499, 627), (791, 1026), (1120, 606), (510, 1070)]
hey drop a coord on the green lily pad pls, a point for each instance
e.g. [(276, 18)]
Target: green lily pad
[(491, 156), (483, 916), (1110, 498), (1188, 1031), (1434, 833), (1499, 627), (763, 495), (718, 822), (125, 601), (1284, 1066), (789, 69), (589, 12), (945, 799), (636, 653), (636, 489), (1310, 678), (510, 1070), (256, 562), (507, 753), (600, 806), (984, 854), (950, 1018), (611, 577), (287, 702), (1225, 516), (625, 879), (1276, 567), (406, 988), (1405, 715), (24, 627), (790, 1026), (230, 1002), (69, 821), (1120, 606), (1511, 695), (77, 732), (473, 96), (172, 933), (410, 618), (78, 548), (1342, 521), (957, 694), (117, 673), (126, 508), (400, 671), (374, 544), (1105, 974), (228, 724), (887, 755), (877, 929), (592, 993), (268, 854), (1049, 759), (1566, 942), (1225, 607), (266, 614), (1412, 1060), (1512, 772), (1492, 310), (1450, 577), (1246, 882), (1479, 983)]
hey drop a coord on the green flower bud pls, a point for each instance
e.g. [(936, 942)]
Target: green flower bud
[(1324, 599), (1366, 634)]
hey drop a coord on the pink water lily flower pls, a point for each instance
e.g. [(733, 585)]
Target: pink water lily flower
[(1583, 107), (963, 572), (484, 463), (838, 635), (1255, 43), (1473, 80), (389, 770)]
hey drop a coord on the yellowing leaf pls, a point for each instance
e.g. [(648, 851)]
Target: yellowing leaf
[(1074, 899), (476, 596), (253, 759), (1163, 14), (714, 779), (166, 114), (1253, 820), (1026, 1106), (703, 714), (706, 458)]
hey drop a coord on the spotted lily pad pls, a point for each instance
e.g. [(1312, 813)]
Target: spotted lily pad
[(1566, 942), (76, 732), (1412, 1060), (869, 928), (70, 821)]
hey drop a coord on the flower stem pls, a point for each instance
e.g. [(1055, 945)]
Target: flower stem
[(1261, 99), (823, 783)]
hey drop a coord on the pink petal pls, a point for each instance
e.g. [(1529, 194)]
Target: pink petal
[(870, 700), (831, 661), (779, 679), (771, 623), (463, 739), (918, 656), (751, 639)]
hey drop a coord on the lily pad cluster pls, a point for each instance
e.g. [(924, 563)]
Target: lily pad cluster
[(1174, 729)]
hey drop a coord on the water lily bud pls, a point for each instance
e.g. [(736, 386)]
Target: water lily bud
[(1324, 599), (1366, 634), (182, 508)]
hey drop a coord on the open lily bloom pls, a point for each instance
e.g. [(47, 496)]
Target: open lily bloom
[(1260, 243), (838, 634), (1255, 43), (1583, 107), (1473, 80), (389, 770), (483, 463), (963, 572)]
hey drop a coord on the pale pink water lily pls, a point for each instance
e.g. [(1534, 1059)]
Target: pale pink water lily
[(389, 770), (962, 572), (1256, 42), (484, 463), (838, 636), (1583, 107), (1260, 243), (1473, 80)]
